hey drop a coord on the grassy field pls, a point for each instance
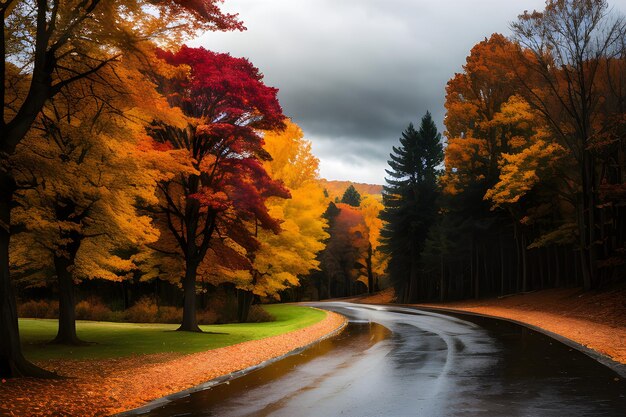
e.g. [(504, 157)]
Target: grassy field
[(113, 340)]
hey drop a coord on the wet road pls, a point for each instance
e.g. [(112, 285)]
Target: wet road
[(394, 361)]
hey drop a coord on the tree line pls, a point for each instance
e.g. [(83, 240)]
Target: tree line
[(531, 191), (351, 263)]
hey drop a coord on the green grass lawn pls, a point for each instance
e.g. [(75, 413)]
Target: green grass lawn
[(124, 339)]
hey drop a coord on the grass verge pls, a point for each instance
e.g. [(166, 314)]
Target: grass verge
[(115, 340)]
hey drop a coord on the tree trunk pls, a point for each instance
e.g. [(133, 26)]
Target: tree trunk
[(518, 258), (587, 219), (12, 361), (413, 293), (67, 316), (319, 287), (557, 266), (244, 302), (546, 263), (542, 270), (584, 260), (328, 292), (67, 302), (190, 320), (488, 280), (442, 279), (524, 263), (502, 265), (474, 269), (370, 273)]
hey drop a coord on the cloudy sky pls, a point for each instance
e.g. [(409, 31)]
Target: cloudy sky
[(354, 73)]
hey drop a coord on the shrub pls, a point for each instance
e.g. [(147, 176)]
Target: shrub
[(223, 306), (117, 316), (144, 311), (257, 314), (41, 309), (93, 309), (169, 314), (207, 317), (221, 309)]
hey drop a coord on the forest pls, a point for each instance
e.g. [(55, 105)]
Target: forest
[(145, 180), (528, 192)]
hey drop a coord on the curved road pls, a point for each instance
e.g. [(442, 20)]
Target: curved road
[(394, 361)]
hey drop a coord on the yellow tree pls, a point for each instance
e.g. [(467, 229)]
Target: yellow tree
[(534, 161), (87, 174), (283, 258), (374, 260), (531, 151)]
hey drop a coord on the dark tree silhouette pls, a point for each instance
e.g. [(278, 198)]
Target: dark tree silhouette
[(351, 196), (409, 200)]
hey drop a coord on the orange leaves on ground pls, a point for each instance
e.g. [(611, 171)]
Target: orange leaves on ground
[(593, 319), (105, 387)]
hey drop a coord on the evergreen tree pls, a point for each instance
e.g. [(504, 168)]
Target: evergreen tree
[(351, 197), (410, 204)]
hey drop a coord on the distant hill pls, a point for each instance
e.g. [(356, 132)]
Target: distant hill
[(337, 188)]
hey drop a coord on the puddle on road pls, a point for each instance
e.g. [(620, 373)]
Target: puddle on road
[(216, 401)]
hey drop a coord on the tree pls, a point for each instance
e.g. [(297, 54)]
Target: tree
[(226, 185), (88, 177), (346, 246), (374, 262), (409, 200), (473, 98), (351, 197), (283, 258), (563, 49), (54, 44), (484, 120)]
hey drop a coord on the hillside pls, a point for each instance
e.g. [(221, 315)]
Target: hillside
[(337, 188)]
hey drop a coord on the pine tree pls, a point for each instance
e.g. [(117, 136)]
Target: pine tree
[(351, 196), (409, 200)]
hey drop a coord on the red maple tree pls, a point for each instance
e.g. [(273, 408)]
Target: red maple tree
[(228, 104)]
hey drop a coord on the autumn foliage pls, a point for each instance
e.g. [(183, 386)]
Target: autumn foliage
[(180, 172), (531, 195), (142, 166), (224, 185)]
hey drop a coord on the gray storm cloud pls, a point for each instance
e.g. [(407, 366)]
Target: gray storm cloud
[(354, 73)]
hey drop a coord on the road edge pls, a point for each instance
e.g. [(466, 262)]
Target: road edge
[(618, 367), (232, 375)]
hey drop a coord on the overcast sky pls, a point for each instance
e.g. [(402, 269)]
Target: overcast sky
[(354, 73)]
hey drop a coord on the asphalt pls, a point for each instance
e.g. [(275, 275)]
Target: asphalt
[(396, 361)]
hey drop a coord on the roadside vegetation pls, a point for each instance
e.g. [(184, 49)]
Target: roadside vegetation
[(116, 340)]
